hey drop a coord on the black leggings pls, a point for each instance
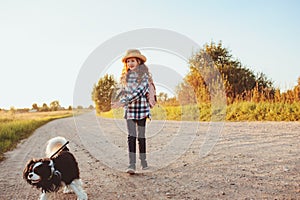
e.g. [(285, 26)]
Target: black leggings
[(136, 129)]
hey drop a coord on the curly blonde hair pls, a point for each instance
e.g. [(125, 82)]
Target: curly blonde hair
[(141, 70)]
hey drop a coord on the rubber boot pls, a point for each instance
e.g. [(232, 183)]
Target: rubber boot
[(142, 151), (132, 154)]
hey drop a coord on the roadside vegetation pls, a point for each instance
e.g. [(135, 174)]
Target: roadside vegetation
[(245, 95), (15, 126), (239, 111)]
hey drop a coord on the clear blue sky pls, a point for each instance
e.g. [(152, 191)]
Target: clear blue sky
[(43, 44)]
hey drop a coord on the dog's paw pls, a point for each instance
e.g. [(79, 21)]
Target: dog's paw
[(82, 196), (67, 190), (43, 196)]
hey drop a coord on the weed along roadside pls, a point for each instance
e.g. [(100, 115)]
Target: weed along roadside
[(238, 111), (18, 126)]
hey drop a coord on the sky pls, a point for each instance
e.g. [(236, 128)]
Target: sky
[(44, 44)]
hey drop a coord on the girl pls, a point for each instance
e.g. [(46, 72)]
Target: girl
[(135, 80)]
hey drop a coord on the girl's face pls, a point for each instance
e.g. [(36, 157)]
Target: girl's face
[(132, 63)]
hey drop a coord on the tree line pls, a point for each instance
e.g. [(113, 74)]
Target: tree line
[(239, 82), (210, 68), (53, 106)]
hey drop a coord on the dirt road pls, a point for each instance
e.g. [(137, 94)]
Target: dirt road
[(255, 160)]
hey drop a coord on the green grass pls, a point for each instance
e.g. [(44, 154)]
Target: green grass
[(248, 111), (16, 127)]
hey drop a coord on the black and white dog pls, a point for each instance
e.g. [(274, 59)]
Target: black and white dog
[(52, 172)]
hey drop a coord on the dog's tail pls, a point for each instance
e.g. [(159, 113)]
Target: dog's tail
[(54, 144)]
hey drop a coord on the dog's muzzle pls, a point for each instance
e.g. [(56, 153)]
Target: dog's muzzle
[(34, 178)]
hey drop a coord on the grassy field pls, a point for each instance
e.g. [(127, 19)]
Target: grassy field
[(17, 126)]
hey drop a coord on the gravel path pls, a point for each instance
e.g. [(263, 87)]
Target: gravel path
[(251, 160)]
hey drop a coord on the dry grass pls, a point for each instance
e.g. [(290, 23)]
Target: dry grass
[(17, 126)]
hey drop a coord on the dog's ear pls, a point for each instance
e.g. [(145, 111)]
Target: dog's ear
[(27, 168)]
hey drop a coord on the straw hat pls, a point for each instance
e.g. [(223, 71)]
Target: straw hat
[(133, 53)]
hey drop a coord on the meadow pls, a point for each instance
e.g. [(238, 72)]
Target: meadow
[(17, 126)]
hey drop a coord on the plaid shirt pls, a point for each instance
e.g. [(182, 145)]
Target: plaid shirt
[(135, 100)]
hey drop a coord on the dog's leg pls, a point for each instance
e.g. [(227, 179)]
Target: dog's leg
[(67, 189), (77, 188), (44, 196)]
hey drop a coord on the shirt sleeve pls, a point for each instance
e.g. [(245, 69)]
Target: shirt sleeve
[(117, 93), (141, 90)]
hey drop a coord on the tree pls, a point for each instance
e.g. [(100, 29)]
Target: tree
[(185, 94), (237, 79), (45, 108), (35, 107), (12, 110), (54, 105), (91, 107), (297, 91), (103, 92), (265, 86), (162, 97), (196, 81)]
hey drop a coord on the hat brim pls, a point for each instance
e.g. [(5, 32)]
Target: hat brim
[(143, 58)]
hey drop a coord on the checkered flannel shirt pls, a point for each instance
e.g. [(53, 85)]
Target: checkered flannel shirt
[(135, 100)]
